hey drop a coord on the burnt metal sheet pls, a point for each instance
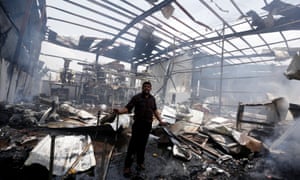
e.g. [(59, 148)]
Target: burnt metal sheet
[(67, 154)]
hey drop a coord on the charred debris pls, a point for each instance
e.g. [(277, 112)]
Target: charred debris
[(65, 128), (55, 139)]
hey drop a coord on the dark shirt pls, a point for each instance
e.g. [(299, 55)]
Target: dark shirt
[(143, 107)]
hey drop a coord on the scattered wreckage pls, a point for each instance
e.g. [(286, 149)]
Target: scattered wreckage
[(64, 140)]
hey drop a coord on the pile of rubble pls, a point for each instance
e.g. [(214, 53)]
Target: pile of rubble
[(79, 134), (257, 144), (220, 148)]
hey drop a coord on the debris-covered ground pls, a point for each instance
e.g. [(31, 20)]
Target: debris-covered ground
[(188, 148), (161, 164)]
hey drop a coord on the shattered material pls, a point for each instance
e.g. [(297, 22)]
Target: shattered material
[(253, 144), (68, 150), (293, 70), (211, 149)]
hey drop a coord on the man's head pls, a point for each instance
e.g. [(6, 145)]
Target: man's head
[(146, 88)]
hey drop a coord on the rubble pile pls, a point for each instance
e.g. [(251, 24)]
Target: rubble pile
[(25, 126), (214, 148), (194, 145)]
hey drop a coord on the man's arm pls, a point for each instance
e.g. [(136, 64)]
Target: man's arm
[(121, 110)]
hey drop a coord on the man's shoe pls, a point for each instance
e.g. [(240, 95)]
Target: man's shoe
[(140, 167), (127, 172)]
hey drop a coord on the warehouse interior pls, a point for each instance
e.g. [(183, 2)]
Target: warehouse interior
[(66, 64)]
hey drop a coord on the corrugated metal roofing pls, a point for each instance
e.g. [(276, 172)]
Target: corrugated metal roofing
[(151, 31)]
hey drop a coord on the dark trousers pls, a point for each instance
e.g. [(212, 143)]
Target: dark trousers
[(138, 142)]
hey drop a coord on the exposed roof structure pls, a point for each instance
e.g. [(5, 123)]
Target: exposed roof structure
[(150, 31)]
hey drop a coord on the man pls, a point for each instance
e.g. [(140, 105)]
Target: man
[(144, 108)]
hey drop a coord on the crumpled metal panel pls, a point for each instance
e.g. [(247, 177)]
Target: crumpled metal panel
[(293, 70), (68, 150)]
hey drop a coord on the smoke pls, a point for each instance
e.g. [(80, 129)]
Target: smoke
[(248, 84), (285, 152)]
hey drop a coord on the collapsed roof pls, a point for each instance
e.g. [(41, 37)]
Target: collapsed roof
[(148, 32)]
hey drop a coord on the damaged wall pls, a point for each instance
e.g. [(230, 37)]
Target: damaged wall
[(22, 28), (23, 86)]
